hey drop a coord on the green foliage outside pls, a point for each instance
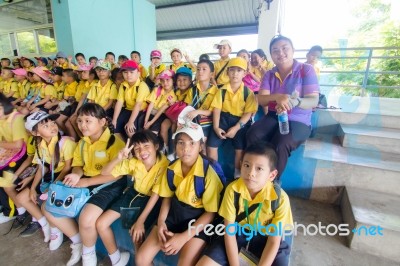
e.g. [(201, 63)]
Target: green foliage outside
[(378, 30)]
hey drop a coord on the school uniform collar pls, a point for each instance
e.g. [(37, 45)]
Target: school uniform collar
[(24, 82), (229, 88), (225, 60), (50, 147), (72, 84), (126, 84), (267, 193), (296, 67), (196, 170), (103, 138), (108, 84)]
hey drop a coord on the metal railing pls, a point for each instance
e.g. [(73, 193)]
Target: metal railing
[(367, 60)]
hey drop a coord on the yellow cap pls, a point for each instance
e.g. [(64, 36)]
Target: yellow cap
[(238, 62)]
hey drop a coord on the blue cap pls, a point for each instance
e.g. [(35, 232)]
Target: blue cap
[(184, 71)]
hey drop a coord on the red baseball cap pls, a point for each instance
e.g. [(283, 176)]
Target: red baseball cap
[(129, 65)]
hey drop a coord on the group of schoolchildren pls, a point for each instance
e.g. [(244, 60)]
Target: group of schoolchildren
[(100, 123)]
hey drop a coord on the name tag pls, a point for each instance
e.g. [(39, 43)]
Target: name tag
[(100, 154)]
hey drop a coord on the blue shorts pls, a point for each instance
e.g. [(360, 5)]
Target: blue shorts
[(123, 118), (217, 252), (227, 121)]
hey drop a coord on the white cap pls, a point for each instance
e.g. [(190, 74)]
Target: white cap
[(182, 119), (223, 42), (36, 117), (193, 130)]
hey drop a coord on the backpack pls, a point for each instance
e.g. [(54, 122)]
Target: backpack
[(245, 93), (199, 181), (274, 203)]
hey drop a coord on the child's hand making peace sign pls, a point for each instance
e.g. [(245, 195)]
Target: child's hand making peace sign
[(124, 153)]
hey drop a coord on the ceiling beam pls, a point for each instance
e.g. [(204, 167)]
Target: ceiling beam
[(185, 4), (208, 32)]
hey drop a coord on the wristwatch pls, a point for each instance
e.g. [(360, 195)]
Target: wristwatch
[(241, 125), (298, 99)]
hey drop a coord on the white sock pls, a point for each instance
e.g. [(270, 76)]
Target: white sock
[(34, 219), (115, 257), (76, 239), (42, 221), (21, 210), (88, 250)]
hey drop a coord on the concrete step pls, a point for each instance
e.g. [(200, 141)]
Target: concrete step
[(375, 218), (338, 166), (370, 138)]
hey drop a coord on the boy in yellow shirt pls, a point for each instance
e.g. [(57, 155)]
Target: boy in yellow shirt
[(224, 49), (232, 106), (253, 201)]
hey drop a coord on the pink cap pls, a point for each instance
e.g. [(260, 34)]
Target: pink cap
[(85, 67), (42, 72), (129, 65), (166, 74), (19, 72), (155, 53)]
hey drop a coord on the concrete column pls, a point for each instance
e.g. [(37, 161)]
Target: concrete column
[(96, 27), (268, 23)]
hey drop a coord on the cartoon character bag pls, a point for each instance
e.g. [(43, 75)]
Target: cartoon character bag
[(65, 201)]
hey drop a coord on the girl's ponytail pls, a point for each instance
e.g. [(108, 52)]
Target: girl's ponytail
[(110, 125)]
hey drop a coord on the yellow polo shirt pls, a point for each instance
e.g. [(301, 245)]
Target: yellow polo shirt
[(103, 94), (181, 95), (223, 77), (283, 213), (9, 86), (143, 72), (70, 89), (234, 101), (13, 127), (162, 97), (60, 88), (181, 64), (144, 182), (93, 156), (206, 97), (266, 65), (158, 70), (30, 146), (80, 90), (185, 191), (47, 90), (23, 88), (46, 152), (129, 95)]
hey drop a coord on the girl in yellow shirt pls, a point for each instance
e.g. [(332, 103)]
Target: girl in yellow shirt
[(182, 204), (97, 148), (54, 157), (159, 100), (147, 166)]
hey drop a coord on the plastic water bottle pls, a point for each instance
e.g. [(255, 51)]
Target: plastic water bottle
[(283, 121)]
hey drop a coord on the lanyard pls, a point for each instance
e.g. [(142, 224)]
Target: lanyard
[(51, 169), (246, 208)]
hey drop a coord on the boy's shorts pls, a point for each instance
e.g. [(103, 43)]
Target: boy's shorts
[(227, 121), (107, 195), (217, 252), (123, 118), (156, 126), (70, 109)]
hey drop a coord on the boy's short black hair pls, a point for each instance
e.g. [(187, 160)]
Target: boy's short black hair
[(6, 59), (79, 54), (265, 149), (123, 57), (136, 52), (70, 73), (316, 48), (208, 62), (279, 38), (93, 57), (110, 53)]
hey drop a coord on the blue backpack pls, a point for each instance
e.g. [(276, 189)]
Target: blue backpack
[(199, 181)]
